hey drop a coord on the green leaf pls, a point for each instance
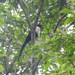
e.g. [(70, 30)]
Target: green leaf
[(68, 20), (1, 49), (66, 11), (1, 22), (1, 68), (2, 52), (26, 5)]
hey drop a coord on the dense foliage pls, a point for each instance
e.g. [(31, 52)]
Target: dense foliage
[(54, 49)]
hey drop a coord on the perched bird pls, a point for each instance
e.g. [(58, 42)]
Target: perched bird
[(28, 38)]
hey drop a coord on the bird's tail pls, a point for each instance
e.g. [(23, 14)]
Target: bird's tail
[(22, 49)]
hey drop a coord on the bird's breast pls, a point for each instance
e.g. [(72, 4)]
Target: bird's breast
[(37, 30)]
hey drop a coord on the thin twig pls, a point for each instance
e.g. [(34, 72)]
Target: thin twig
[(25, 69), (38, 13), (37, 63), (14, 60), (72, 63), (58, 23), (35, 67), (69, 25), (25, 12)]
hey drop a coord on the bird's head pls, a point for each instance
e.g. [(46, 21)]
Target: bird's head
[(39, 25)]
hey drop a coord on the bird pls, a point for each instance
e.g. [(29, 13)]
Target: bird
[(28, 38)]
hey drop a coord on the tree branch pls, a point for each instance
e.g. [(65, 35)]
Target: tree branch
[(55, 28), (25, 68), (25, 12), (38, 13), (33, 35), (34, 64), (14, 60), (37, 63), (35, 22), (69, 25)]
